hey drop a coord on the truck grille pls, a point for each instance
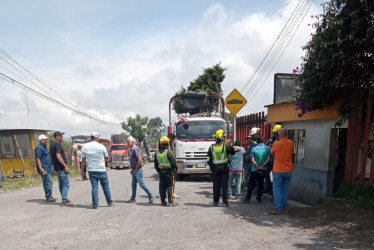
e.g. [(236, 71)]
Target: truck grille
[(116, 157), (203, 155)]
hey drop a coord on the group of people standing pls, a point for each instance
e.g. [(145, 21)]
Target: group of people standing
[(260, 159), (225, 161), (93, 156)]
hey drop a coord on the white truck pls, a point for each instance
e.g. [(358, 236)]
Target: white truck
[(194, 133)]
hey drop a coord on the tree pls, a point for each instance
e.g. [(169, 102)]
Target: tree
[(339, 63), (154, 129), (209, 81), (143, 129), (136, 127)]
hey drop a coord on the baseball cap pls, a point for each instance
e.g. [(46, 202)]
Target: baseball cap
[(57, 133), (42, 137), (95, 134)]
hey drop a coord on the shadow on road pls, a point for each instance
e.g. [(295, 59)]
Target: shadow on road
[(42, 202), (199, 205), (330, 225), (83, 206)]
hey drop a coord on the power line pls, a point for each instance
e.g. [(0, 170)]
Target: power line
[(35, 92), (284, 48), (295, 19), (275, 42), (36, 77)]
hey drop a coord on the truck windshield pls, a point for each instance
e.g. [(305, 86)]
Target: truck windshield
[(118, 147), (199, 129)]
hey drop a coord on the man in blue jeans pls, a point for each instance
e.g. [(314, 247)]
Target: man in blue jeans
[(44, 167), (282, 171), (136, 163), (94, 155), (236, 169), (60, 165)]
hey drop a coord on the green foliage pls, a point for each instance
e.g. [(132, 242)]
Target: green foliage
[(209, 81), (66, 145), (136, 126), (154, 129), (339, 59), (361, 194), (143, 129)]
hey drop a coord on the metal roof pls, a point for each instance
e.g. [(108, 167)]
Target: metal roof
[(24, 129)]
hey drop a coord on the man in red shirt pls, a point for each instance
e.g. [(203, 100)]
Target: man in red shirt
[(282, 171)]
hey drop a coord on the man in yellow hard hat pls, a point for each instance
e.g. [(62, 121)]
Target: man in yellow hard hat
[(218, 162), (165, 164)]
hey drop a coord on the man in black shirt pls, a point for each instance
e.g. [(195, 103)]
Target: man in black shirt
[(60, 165)]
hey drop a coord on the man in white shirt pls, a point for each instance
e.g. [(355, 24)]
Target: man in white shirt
[(83, 169), (94, 155)]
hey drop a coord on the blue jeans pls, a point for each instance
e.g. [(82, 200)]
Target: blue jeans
[(247, 171), (138, 178), (95, 177), (63, 184), (47, 185), (237, 176), (281, 182)]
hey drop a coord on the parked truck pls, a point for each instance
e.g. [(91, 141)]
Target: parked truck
[(118, 153), (194, 131)]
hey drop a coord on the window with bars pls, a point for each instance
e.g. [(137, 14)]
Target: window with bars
[(298, 137)]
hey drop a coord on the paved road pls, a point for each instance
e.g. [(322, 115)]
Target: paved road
[(27, 222)]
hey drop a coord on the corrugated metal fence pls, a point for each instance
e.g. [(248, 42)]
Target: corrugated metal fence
[(244, 124)]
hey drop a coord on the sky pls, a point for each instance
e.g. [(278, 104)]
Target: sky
[(114, 59)]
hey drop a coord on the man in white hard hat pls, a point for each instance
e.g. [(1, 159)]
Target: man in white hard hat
[(95, 154), (44, 167)]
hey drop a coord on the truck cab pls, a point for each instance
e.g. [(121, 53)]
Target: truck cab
[(118, 156), (194, 132), (194, 136)]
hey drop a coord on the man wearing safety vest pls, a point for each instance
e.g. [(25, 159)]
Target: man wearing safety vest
[(218, 162), (165, 163)]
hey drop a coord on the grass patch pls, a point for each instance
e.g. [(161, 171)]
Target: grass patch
[(361, 194), (19, 183)]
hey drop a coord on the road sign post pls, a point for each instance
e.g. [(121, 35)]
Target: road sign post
[(235, 102)]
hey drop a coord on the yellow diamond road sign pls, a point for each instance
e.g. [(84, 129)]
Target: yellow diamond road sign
[(235, 101)]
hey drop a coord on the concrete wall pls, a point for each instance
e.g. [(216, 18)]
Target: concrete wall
[(314, 179)]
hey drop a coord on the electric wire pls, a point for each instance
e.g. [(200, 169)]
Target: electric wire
[(297, 19), (275, 42), (43, 96)]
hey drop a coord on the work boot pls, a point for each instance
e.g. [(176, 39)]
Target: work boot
[(215, 204), (131, 201), (150, 200), (247, 201), (275, 212), (51, 199), (67, 203), (226, 204), (164, 203)]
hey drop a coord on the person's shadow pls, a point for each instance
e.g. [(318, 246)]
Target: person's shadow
[(44, 202)]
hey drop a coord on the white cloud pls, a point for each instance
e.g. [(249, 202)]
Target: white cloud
[(116, 85)]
